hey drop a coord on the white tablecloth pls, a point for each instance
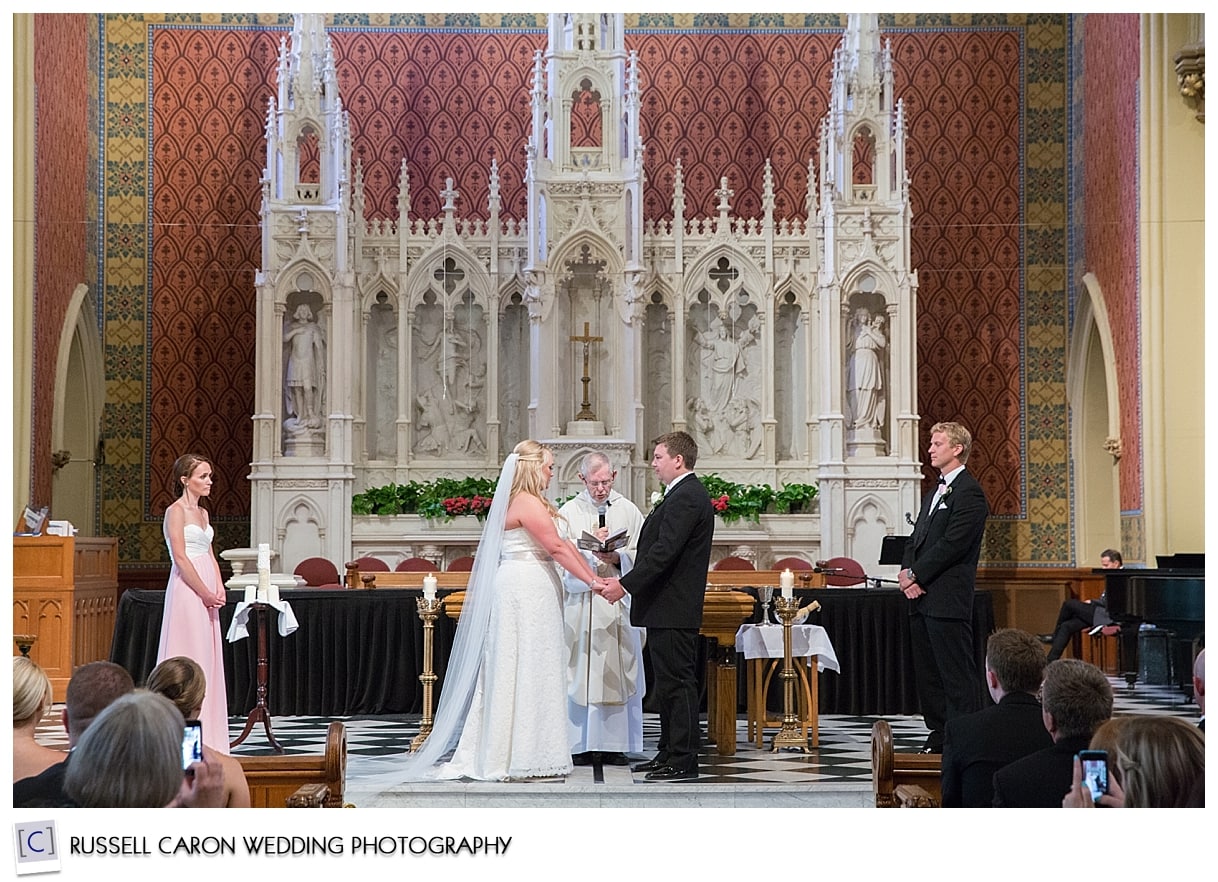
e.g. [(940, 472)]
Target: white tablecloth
[(765, 641), (238, 630)]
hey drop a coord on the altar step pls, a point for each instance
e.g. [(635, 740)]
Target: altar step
[(619, 789)]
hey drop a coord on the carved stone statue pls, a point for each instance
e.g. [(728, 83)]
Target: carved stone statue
[(865, 371), (304, 345)]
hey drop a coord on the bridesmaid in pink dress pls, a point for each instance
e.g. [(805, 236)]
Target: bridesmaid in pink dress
[(195, 593)]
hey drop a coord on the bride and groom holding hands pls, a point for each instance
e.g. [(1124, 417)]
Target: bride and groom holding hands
[(504, 701)]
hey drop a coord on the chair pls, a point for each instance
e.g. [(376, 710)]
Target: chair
[(731, 562), (415, 565), (372, 565), (841, 572), (318, 573), (461, 564), (791, 563)]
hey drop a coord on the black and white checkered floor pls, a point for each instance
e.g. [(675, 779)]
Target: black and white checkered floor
[(842, 759)]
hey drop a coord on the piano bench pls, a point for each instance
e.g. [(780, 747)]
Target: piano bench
[(1098, 649)]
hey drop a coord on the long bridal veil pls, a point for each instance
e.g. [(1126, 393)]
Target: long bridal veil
[(465, 661)]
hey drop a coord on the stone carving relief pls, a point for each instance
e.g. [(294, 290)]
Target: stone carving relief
[(304, 348)]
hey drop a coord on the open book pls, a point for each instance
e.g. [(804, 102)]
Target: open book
[(612, 543)]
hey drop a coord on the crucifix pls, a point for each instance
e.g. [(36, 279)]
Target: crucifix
[(585, 412)]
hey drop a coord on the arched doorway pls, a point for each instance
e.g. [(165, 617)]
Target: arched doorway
[(1095, 413), (80, 392)]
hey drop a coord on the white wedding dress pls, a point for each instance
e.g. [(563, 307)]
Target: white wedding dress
[(517, 721)]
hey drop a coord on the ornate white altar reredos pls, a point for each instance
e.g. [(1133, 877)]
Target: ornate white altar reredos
[(407, 348)]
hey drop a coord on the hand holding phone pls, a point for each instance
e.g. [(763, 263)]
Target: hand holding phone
[(192, 744), (1095, 772)]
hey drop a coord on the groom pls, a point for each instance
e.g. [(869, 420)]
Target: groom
[(667, 587)]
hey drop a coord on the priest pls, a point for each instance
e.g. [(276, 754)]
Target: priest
[(605, 652)]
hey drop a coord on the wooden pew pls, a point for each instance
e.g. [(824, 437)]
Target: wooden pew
[(902, 780), (300, 780)]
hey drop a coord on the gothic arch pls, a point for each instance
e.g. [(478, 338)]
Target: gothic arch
[(422, 277), (868, 520), (886, 283), (568, 250), (289, 278), (80, 395), (370, 288), (1094, 398), (300, 530), (750, 279)]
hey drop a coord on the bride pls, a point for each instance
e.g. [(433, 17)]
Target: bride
[(504, 697)]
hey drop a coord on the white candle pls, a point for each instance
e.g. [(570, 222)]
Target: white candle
[(272, 594), (264, 557), (251, 593), (264, 585), (429, 586), (786, 581)]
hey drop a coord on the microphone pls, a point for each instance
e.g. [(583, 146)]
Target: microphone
[(908, 519), (600, 514)]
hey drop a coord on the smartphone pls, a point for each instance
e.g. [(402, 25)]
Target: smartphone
[(192, 743), (1095, 772)]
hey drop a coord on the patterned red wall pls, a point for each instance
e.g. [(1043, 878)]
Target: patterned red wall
[(61, 230), (1110, 198), (722, 102)]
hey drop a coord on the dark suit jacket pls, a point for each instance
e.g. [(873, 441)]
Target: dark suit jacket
[(1041, 779), (43, 789), (667, 584), (977, 745), (944, 549)]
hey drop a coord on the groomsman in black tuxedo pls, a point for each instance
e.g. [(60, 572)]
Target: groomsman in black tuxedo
[(667, 587), (939, 577)]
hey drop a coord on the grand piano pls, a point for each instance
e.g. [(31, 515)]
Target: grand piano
[(1172, 597)]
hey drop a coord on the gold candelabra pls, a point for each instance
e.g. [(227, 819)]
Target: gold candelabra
[(429, 609), (790, 736)]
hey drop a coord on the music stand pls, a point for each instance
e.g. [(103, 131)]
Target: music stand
[(892, 550)]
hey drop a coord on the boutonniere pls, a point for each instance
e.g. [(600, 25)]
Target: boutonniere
[(656, 498), (947, 491)]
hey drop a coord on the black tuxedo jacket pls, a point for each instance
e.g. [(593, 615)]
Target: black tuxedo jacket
[(1041, 779), (944, 549), (977, 745), (667, 584)]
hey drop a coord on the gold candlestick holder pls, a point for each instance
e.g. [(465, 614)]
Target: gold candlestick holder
[(790, 736), (429, 609)]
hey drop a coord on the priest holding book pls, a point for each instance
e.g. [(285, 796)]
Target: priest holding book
[(605, 661)]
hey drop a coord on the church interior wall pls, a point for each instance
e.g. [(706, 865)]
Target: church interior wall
[(178, 302)]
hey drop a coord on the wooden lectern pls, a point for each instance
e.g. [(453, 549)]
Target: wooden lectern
[(65, 591)]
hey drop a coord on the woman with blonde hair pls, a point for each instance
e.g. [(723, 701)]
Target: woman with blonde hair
[(1153, 762), (509, 653), (181, 680), (31, 700)]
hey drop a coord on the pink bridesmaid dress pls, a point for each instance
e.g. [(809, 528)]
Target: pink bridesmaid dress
[(189, 628)]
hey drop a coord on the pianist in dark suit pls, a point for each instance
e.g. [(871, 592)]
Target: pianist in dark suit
[(978, 745), (1076, 699), (939, 575), (1079, 615)]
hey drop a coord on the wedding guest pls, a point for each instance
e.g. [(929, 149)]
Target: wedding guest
[(1078, 615), (1075, 699), (131, 757), (32, 699), (1153, 762), (181, 680), (190, 624), (92, 688)]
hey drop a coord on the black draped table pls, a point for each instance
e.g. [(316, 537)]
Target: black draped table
[(361, 651), (355, 651)]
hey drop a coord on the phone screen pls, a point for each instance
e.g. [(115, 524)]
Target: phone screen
[(1095, 772), (192, 743)]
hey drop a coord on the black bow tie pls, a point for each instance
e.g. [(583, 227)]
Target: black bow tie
[(942, 480)]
